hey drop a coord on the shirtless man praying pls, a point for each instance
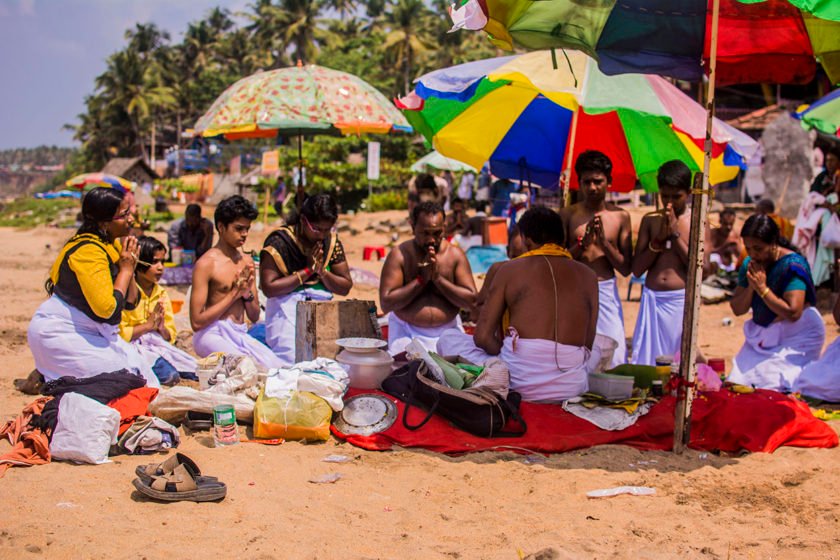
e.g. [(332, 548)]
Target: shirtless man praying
[(425, 282), (224, 290), (539, 317), (662, 253), (598, 235)]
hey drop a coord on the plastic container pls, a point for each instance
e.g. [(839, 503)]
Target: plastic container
[(187, 257), (366, 367), (177, 255), (225, 431), (642, 375), (612, 387), (664, 360)]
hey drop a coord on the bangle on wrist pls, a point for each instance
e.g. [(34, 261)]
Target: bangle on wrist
[(653, 249), (764, 292), (248, 299), (300, 280)]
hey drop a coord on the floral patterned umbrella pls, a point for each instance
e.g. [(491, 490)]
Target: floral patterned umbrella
[(300, 100)]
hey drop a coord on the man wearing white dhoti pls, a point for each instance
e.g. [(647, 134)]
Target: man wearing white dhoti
[(662, 254), (598, 234), (76, 331), (303, 261), (539, 317), (224, 289), (425, 282), (821, 379), (150, 327), (786, 332)]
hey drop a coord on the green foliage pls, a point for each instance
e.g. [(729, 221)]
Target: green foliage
[(388, 200), (31, 212), (155, 83)]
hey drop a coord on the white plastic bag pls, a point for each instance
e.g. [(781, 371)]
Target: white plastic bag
[(618, 490), (172, 404), (830, 236), (85, 431)]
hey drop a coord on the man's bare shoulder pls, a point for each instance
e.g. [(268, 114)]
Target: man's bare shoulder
[(614, 208), (453, 251)]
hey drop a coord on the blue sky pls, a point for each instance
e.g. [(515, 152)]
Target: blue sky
[(53, 49)]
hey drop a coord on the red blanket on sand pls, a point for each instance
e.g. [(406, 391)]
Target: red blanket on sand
[(725, 421)]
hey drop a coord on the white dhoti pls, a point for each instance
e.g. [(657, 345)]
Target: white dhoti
[(611, 319), (281, 321), (66, 342), (540, 370), (232, 338), (821, 379), (152, 346), (400, 333), (659, 325), (773, 357)]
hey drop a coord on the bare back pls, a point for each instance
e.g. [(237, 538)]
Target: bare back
[(524, 287)]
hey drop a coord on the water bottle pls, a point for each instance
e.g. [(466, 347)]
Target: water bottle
[(225, 431)]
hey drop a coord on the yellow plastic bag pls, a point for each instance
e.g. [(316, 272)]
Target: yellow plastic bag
[(301, 416)]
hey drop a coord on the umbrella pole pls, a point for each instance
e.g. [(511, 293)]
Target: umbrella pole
[(570, 150), (699, 209), (301, 176)]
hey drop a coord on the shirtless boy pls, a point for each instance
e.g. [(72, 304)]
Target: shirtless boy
[(662, 253), (224, 290), (598, 235), (425, 282)]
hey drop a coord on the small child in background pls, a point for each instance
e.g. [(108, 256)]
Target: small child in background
[(150, 326)]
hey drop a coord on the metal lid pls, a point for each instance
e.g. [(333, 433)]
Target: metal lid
[(366, 415)]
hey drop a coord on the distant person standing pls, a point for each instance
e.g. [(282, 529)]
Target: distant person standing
[(482, 192), (465, 187), (500, 193), (279, 195), (824, 182)]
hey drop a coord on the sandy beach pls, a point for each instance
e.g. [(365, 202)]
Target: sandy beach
[(411, 504)]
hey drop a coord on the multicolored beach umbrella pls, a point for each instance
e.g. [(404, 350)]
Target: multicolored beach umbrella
[(530, 120), (823, 115), (300, 100), (91, 180), (775, 41)]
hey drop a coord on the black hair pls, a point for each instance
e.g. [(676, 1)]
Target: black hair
[(232, 208), (593, 160), (675, 174), (457, 200), (727, 212), (147, 246), (767, 204), (766, 230), (192, 210), (320, 207), (833, 150), (425, 182), (99, 205), (542, 225), (429, 207)]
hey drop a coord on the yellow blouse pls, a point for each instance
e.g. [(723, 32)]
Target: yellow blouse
[(92, 267), (145, 306)]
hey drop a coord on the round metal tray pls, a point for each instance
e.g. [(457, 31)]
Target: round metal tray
[(365, 415)]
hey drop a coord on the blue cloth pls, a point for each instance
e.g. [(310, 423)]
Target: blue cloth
[(165, 372), (500, 197), (789, 273), (483, 257)]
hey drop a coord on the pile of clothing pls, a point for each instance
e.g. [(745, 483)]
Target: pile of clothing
[(86, 420)]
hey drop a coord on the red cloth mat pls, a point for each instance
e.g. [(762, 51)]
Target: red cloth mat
[(725, 421)]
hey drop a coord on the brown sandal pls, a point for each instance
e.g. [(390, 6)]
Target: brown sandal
[(146, 472), (181, 485)]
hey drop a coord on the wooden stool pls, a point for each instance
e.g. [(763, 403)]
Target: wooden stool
[(369, 250)]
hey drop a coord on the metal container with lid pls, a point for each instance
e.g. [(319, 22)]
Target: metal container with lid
[(365, 361)]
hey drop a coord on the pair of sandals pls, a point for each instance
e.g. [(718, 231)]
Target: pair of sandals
[(178, 479)]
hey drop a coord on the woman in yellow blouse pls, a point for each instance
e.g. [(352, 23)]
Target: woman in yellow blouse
[(150, 327), (76, 331)]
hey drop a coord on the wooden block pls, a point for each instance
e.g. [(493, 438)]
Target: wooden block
[(495, 231), (321, 323)]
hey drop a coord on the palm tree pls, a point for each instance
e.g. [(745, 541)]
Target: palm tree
[(265, 30), (301, 31), (343, 7), (404, 45)]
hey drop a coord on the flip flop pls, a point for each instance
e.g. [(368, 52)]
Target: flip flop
[(146, 472), (179, 486)]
